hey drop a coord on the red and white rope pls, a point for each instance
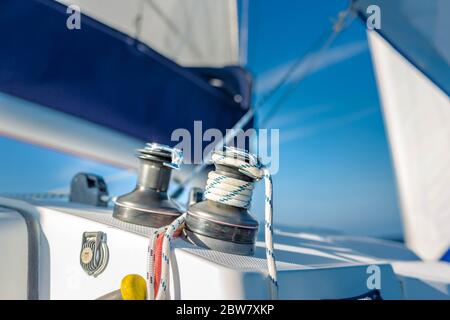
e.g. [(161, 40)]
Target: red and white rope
[(221, 189)]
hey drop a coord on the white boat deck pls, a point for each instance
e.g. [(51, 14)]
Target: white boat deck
[(311, 264)]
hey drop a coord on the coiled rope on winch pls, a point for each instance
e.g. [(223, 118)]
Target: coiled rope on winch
[(238, 193), (225, 190)]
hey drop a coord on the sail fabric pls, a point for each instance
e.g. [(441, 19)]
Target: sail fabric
[(417, 118), (103, 76), (411, 55), (190, 32), (419, 30)]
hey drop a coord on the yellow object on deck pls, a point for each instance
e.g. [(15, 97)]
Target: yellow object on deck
[(133, 287)]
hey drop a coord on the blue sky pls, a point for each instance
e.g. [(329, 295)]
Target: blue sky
[(335, 167)]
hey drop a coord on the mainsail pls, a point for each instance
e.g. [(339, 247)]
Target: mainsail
[(411, 54), (190, 32)]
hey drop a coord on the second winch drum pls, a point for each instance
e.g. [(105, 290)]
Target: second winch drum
[(220, 226)]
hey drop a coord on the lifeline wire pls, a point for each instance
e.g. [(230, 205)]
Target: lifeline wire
[(228, 191)]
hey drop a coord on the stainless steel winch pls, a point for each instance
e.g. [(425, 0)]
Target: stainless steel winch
[(223, 227), (149, 204)]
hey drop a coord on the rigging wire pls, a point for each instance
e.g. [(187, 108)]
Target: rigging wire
[(326, 40), (337, 29)]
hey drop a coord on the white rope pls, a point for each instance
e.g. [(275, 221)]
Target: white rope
[(268, 234), (238, 193), (151, 263), (177, 224), (168, 233), (233, 192), (226, 190)]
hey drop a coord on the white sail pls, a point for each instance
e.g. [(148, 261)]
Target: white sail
[(191, 32), (417, 117)]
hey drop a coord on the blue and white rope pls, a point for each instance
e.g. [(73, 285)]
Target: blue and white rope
[(268, 234), (238, 193), (233, 192)]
